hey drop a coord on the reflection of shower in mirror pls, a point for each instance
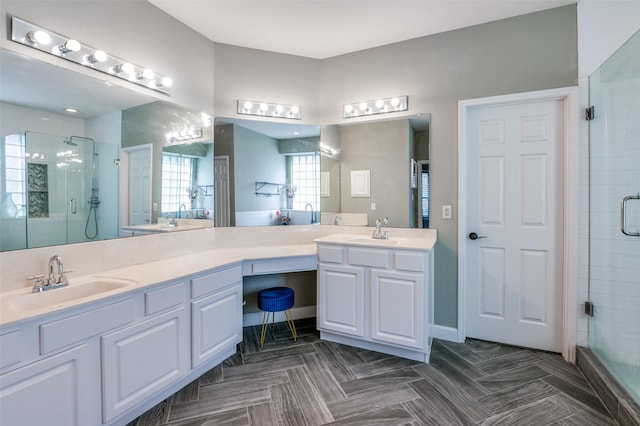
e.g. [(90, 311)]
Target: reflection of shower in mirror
[(94, 201)]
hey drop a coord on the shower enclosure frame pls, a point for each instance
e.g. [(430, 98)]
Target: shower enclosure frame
[(614, 215)]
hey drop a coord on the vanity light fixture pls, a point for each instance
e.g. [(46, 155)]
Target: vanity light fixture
[(265, 109), (184, 135), (328, 150), (31, 35), (379, 106)]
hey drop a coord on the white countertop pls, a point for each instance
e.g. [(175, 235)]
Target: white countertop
[(145, 261), (143, 275), (393, 242)]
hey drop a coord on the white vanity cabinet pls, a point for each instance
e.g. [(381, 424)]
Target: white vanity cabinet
[(376, 298), (341, 299), (53, 391), (57, 379), (216, 314)]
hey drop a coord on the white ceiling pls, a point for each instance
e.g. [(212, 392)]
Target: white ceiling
[(325, 28)]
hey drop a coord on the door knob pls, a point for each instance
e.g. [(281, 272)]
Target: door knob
[(474, 236)]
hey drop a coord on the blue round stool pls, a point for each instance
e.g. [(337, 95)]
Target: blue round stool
[(272, 300)]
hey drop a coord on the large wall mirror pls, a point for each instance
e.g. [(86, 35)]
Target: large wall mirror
[(352, 174), (119, 158)]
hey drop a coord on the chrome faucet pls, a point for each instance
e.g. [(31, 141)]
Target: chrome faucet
[(56, 279), (379, 234), (312, 220), (56, 269), (180, 210), (172, 221)]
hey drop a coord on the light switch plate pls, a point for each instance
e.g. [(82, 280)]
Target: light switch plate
[(446, 212)]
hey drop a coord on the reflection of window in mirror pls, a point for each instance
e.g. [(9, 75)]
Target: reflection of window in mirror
[(304, 175), (424, 193), (178, 183), (14, 199)]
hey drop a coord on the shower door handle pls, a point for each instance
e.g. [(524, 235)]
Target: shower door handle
[(623, 215), (72, 206)]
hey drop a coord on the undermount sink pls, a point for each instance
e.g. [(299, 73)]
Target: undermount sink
[(379, 242), (73, 292)]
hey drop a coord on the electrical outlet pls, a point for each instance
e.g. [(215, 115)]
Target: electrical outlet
[(373, 206), (446, 212)]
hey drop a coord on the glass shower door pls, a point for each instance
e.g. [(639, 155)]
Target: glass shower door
[(614, 215)]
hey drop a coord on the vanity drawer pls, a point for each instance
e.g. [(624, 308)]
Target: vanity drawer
[(64, 332), (215, 281), (409, 261), (18, 346), (164, 298), (368, 257), (276, 266), (331, 254)]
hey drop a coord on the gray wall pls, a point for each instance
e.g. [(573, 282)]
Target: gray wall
[(257, 75), (256, 160), (383, 148)]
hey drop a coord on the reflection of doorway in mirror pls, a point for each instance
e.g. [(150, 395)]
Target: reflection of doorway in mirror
[(140, 186), (221, 190)]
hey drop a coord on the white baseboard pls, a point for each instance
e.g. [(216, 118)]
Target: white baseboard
[(445, 333), (255, 318)]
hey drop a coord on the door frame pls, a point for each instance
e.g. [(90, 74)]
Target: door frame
[(569, 98)]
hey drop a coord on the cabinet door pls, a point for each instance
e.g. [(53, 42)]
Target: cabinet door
[(341, 299), (216, 323), (398, 308), (140, 360), (54, 391)]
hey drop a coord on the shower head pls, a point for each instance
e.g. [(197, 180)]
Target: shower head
[(68, 142)]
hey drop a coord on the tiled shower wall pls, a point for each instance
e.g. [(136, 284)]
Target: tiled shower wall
[(602, 28)]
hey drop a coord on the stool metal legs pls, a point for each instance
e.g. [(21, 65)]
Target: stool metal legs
[(265, 324)]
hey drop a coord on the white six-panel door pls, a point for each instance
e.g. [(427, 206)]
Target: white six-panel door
[(514, 205), (140, 186)]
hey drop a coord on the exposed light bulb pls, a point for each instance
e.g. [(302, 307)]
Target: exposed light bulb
[(40, 37), (363, 106), (348, 109), (248, 105), (147, 74), (125, 67), (264, 107), (279, 109), (97, 56), (379, 103), (70, 45), (166, 82), (295, 109), (395, 102)]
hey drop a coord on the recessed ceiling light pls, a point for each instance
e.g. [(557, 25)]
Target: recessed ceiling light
[(71, 110)]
